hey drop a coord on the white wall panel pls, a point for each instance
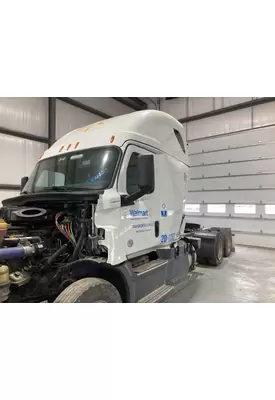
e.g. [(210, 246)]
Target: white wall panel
[(248, 137), (69, 118), (200, 105), (255, 240), (18, 157), (220, 124), (105, 104), (264, 114), (231, 101), (25, 114), (176, 107), (235, 196), (245, 153), (235, 143), (218, 103), (233, 182), (248, 167), (32, 151), (6, 194), (12, 159), (152, 102)]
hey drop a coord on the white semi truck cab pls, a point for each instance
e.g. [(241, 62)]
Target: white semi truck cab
[(101, 217)]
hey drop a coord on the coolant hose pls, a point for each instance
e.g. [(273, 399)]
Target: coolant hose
[(12, 252), (55, 255)]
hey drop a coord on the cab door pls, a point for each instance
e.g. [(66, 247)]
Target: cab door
[(139, 221)]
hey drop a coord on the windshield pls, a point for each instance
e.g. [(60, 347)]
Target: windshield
[(89, 169)]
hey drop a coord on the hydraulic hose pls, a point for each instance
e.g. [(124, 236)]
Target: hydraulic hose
[(8, 253), (12, 252)]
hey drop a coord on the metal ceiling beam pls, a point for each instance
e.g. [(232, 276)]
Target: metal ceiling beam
[(9, 187), (171, 98), (139, 102), (52, 120), (127, 103), (235, 107), (23, 135), (84, 107)]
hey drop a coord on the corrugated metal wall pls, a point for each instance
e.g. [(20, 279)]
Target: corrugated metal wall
[(232, 173), (69, 117), (18, 155)]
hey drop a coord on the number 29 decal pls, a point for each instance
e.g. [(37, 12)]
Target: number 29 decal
[(167, 238)]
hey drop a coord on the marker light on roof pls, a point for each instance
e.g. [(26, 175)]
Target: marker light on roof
[(76, 145), (41, 155), (61, 148), (112, 139), (69, 145)]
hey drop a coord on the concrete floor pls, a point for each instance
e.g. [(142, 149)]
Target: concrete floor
[(246, 276)]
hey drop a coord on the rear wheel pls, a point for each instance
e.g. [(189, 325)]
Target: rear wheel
[(218, 251), (227, 240), (211, 249), (89, 290)]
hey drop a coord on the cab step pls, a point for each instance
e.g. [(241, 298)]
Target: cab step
[(164, 292), (157, 295), (149, 266)]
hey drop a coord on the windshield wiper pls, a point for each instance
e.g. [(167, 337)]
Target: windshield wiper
[(58, 188)]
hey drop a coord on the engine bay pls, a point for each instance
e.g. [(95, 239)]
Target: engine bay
[(38, 243)]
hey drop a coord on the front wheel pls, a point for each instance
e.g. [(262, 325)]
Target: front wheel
[(89, 290)]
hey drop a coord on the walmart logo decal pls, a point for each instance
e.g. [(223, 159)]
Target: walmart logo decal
[(139, 213)]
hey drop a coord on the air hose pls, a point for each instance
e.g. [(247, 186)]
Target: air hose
[(9, 253)]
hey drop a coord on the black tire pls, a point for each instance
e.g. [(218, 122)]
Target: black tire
[(227, 246), (218, 251), (194, 259), (233, 243), (89, 290), (227, 240), (211, 249), (202, 261)]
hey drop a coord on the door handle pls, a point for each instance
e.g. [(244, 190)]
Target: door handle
[(157, 228)]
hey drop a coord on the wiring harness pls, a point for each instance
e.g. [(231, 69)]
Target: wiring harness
[(66, 228)]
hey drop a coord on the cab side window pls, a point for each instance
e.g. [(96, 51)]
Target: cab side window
[(132, 174), (180, 140)]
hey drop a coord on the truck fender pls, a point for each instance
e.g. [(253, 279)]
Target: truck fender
[(119, 276)]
